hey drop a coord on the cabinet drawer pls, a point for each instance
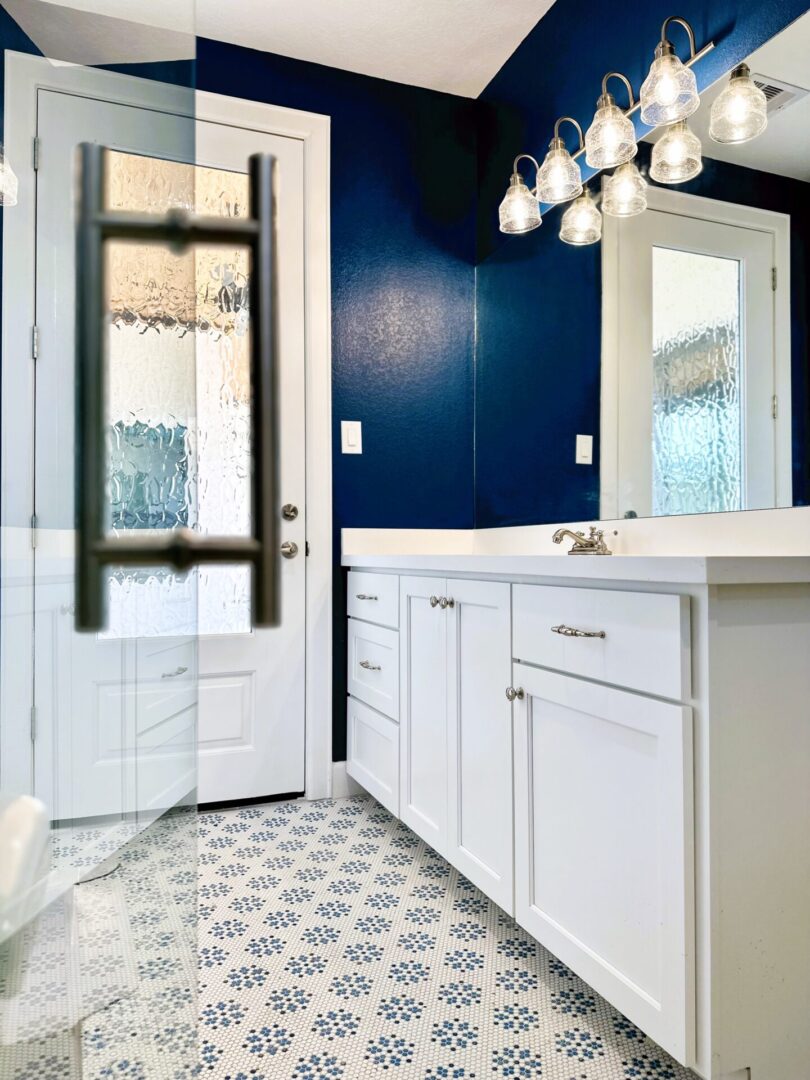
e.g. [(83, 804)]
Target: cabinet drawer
[(374, 597), (373, 753), (374, 666), (646, 636)]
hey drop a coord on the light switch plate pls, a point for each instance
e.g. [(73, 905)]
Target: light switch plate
[(584, 452), (351, 437)]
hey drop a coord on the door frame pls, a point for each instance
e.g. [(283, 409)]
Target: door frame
[(25, 75), (726, 213)]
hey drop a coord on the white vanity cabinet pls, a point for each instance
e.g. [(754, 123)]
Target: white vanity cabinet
[(604, 843), (456, 725), (643, 807)]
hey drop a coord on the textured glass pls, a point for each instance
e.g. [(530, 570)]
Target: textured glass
[(559, 178), (696, 408), (611, 138), (740, 113), (520, 211), (624, 194), (669, 93), (581, 223), (677, 156), (178, 347)]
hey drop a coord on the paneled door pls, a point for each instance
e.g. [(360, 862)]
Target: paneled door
[(178, 460), (423, 709), (479, 735), (604, 861)]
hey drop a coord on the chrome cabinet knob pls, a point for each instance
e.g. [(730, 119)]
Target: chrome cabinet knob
[(446, 602), (434, 600), (289, 512), (512, 693), (289, 549)]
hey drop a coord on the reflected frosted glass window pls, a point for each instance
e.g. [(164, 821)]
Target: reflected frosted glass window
[(697, 407), (179, 403)]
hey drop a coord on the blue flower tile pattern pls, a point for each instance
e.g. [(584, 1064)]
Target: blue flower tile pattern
[(336, 945)]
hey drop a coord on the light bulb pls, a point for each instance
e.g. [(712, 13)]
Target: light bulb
[(611, 138), (669, 93), (581, 223), (559, 178), (676, 157), (520, 211), (624, 194), (740, 112)]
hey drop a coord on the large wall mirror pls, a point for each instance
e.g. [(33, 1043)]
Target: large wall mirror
[(705, 373)]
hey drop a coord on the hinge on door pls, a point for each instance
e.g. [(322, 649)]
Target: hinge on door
[(37, 147), (33, 723), (35, 342), (34, 531), (773, 278), (774, 407)]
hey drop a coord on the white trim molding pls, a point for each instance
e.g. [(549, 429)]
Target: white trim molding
[(24, 76)]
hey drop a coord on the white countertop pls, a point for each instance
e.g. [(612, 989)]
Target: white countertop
[(443, 552)]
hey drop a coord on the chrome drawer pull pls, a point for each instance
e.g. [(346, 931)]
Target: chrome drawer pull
[(365, 596), (367, 664), (571, 631), (174, 674), (512, 693)]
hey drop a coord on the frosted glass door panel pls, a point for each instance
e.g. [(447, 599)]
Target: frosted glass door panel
[(697, 385), (178, 345)]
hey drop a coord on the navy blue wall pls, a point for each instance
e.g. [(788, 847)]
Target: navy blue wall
[(403, 292), (539, 302)]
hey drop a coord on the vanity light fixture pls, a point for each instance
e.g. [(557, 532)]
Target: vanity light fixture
[(581, 223), (559, 178), (669, 93), (611, 138), (519, 211), (8, 181), (624, 194), (676, 157), (740, 113)]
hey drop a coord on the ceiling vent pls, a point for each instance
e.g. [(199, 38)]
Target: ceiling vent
[(779, 94)]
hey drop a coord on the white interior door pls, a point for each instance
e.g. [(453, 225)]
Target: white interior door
[(251, 712), (695, 365)]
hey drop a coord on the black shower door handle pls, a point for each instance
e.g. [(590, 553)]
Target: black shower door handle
[(180, 548)]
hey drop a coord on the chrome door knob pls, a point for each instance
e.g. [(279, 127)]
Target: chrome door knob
[(289, 549), (512, 693), (289, 512), (434, 600)]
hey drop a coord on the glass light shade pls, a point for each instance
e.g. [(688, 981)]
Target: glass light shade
[(669, 93), (611, 138), (8, 182), (520, 211), (676, 157), (740, 113), (624, 194), (559, 178), (581, 223)]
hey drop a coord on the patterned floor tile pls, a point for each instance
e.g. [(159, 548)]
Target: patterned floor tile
[(335, 944)]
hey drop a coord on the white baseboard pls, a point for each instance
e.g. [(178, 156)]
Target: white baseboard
[(342, 784)]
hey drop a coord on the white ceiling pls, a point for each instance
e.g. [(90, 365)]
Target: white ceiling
[(451, 45)]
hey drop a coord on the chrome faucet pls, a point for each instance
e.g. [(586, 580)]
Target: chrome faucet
[(592, 544)]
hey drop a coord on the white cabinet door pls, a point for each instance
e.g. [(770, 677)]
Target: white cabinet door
[(423, 709), (373, 753), (603, 842), (479, 736)]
